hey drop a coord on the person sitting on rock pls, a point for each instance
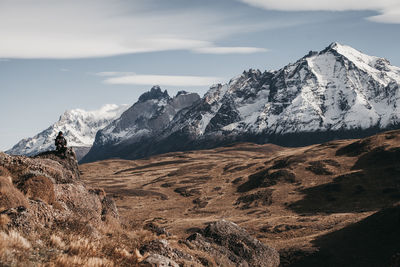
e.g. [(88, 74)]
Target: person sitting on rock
[(61, 144)]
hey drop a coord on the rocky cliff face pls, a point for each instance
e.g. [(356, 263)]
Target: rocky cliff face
[(338, 92), (146, 118), (337, 89)]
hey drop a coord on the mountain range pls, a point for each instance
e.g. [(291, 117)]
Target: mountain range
[(336, 93)]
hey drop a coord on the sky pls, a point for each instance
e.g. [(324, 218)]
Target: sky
[(58, 55)]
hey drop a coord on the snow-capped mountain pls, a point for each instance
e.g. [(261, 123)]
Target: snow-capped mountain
[(146, 118), (79, 128), (338, 88), (338, 92)]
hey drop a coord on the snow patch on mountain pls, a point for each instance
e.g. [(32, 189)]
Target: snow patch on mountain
[(338, 92), (336, 89), (79, 128), (152, 113)]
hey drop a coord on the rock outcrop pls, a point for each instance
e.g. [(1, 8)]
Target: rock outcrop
[(46, 189), (231, 245), (221, 243)]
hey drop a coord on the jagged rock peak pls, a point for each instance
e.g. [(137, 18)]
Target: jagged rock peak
[(334, 45), (252, 72), (154, 93), (182, 92)]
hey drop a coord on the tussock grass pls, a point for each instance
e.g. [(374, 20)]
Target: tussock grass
[(4, 172), (76, 261), (4, 220), (15, 240), (106, 246), (10, 197)]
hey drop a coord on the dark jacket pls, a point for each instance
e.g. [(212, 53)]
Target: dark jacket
[(60, 141)]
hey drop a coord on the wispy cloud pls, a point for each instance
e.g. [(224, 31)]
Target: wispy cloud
[(164, 80), (389, 9), (112, 73), (229, 50), (99, 28)]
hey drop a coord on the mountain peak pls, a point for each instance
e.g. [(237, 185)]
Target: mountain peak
[(79, 126), (182, 92), (339, 48), (335, 45), (154, 93), (349, 52), (371, 64)]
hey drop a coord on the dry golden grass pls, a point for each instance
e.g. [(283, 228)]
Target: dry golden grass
[(4, 220), (10, 197), (76, 261), (4, 172), (73, 247), (13, 248), (39, 187), (14, 239), (57, 242)]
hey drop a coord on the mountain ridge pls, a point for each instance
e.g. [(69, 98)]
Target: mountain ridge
[(336, 93), (144, 119)]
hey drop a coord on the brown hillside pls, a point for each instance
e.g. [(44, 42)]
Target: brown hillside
[(289, 198)]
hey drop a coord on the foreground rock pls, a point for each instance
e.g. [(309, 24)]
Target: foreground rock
[(46, 189), (221, 243), (231, 245)]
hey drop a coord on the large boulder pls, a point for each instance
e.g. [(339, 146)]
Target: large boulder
[(161, 253), (48, 164), (69, 162), (156, 260), (231, 245)]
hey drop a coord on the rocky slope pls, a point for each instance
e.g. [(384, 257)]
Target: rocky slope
[(79, 127), (336, 93), (43, 199), (142, 121)]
